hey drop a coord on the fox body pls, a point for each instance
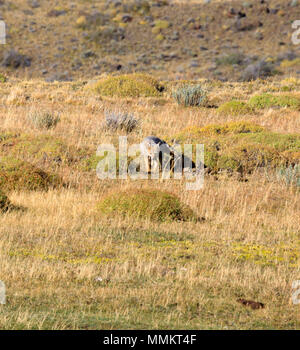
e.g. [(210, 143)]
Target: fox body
[(157, 153)]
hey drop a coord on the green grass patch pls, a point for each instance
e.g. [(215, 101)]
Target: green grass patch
[(243, 146), (43, 147), (242, 127), (269, 100), (235, 108), (3, 78), (160, 25), (16, 174), (290, 64), (153, 205), (267, 256)]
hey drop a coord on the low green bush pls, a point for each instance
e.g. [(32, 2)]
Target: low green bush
[(17, 175), (146, 204), (235, 108), (269, 100), (129, 85)]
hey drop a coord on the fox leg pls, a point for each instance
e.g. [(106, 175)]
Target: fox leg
[(148, 164), (160, 161), (156, 163), (172, 162)]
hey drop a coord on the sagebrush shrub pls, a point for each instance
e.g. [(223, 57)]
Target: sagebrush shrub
[(230, 59), (260, 69), (44, 120), (120, 120), (290, 175), (190, 96)]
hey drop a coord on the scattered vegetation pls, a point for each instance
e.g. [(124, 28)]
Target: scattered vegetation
[(290, 64), (258, 70), (146, 204), (44, 120), (290, 175), (159, 26), (120, 120), (190, 96), (230, 59), (267, 255), (241, 127), (3, 78)]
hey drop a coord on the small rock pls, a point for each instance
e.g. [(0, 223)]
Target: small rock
[(149, 19), (259, 36), (15, 60), (212, 68), (261, 69), (174, 36), (247, 4), (33, 4), (76, 64), (59, 77), (88, 54), (56, 13), (126, 18), (28, 12), (288, 55), (194, 64)]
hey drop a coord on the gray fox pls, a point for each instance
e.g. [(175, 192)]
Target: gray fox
[(157, 153)]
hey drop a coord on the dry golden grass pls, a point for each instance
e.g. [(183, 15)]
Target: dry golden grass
[(66, 267)]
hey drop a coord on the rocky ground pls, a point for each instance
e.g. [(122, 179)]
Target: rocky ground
[(228, 40)]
